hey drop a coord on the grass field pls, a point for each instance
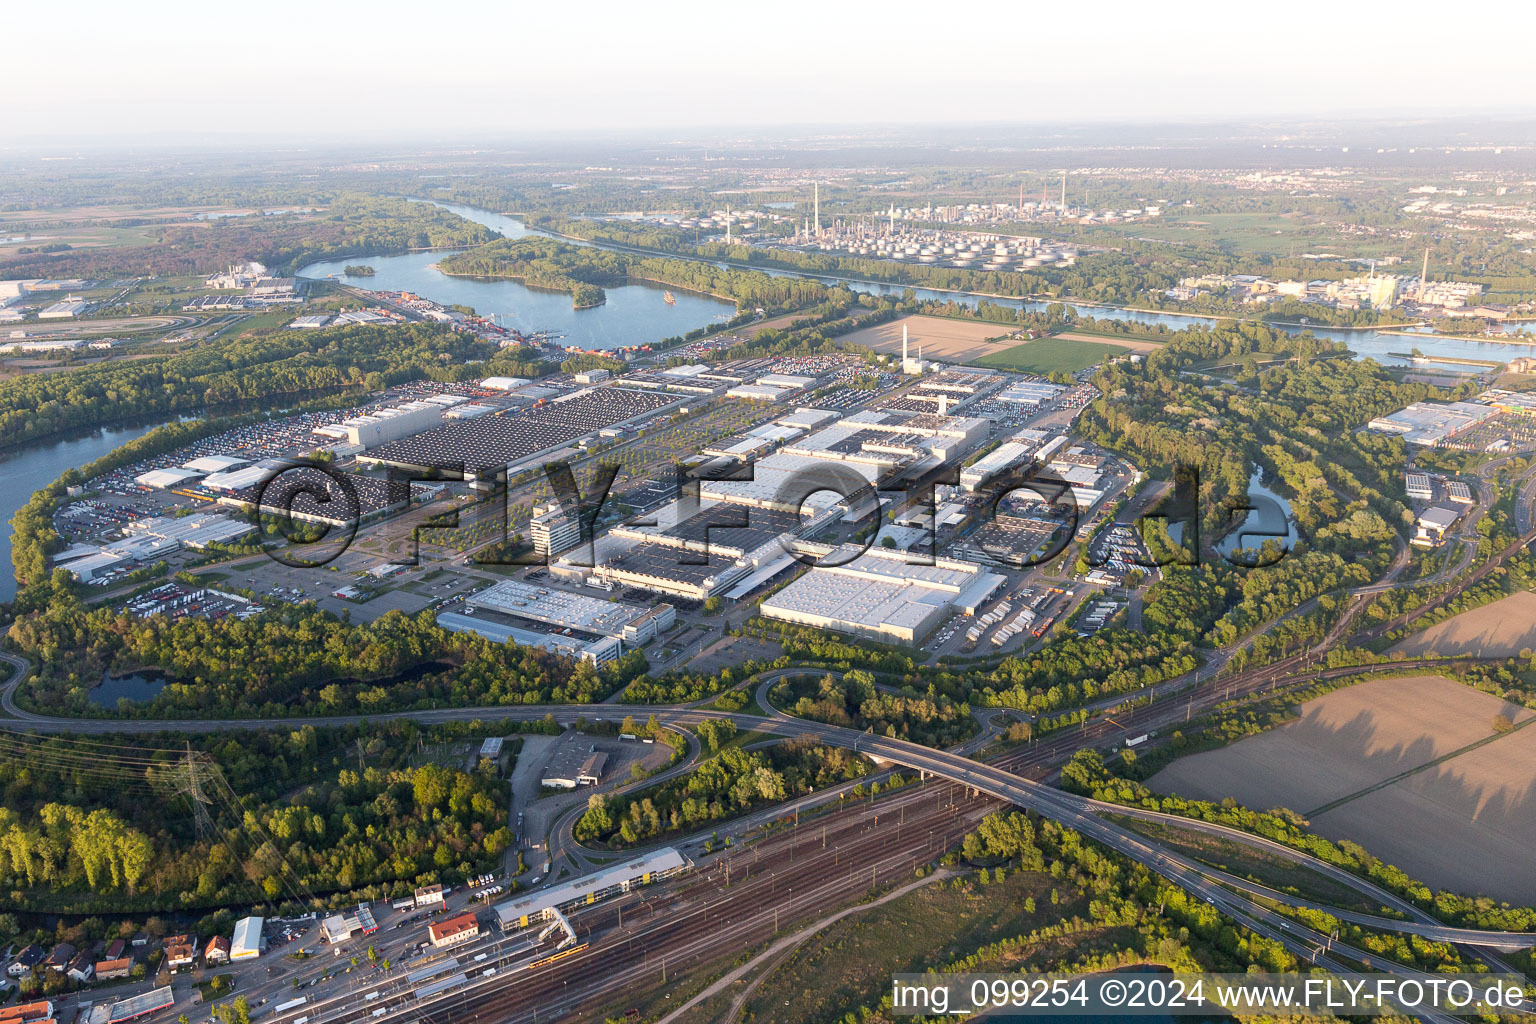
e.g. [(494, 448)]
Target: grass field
[(1275, 233), (851, 962), (1051, 355), (1501, 629), (1411, 768), (1110, 338), (1259, 866)]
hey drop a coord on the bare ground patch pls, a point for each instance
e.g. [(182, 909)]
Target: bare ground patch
[(1466, 823), (1134, 344), (948, 341), (1343, 742), (1501, 629)]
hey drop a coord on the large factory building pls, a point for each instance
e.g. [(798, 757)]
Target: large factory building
[(879, 595)]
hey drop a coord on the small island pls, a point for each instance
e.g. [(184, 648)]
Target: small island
[(543, 263), (358, 270)]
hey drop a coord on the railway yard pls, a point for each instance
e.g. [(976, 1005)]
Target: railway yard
[(785, 867), (600, 561), (666, 937), (925, 509), (728, 902)]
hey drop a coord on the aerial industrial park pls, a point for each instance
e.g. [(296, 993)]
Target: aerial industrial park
[(854, 487), (571, 537)]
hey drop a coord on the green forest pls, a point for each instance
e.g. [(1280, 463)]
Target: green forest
[(854, 701), (345, 224), (291, 660), (1300, 422), (729, 783), (292, 816), (583, 270)]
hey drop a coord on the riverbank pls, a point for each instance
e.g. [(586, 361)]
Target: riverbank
[(1364, 342), (633, 315), (31, 466), (1032, 297), (1453, 360), (1491, 339)]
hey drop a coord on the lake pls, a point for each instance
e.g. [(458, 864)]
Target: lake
[(144, 686), (1269, 519), (32, 467), (632, 314), (635, 314)]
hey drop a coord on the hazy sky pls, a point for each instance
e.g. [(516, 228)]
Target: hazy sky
[(454, 67)]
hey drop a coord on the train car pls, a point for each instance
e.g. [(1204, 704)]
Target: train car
[(556, 957)]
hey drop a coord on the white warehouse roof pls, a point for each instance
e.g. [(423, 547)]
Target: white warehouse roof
[(166, 478), (215, 463), (237, 479), (661, 862), (247, 940)]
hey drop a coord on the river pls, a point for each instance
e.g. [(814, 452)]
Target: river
[(1365, 343), (34, 466), (635, 314)]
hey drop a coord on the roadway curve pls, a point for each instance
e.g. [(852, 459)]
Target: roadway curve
[(1074, 812)]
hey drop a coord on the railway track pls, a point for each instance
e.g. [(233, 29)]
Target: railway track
[(646, 937), (705, 918), (1051, 751)]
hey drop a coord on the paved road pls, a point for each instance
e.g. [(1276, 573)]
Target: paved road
[(1072, 811), (1084, 816)]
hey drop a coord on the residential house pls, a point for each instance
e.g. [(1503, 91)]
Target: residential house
[(119, 967), (180, 951), (217, 951), (81, 967), (26, 962), (59, 959)]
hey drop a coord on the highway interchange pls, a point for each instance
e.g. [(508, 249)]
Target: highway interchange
[(1018, 778)]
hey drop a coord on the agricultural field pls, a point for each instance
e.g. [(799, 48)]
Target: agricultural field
[(1118, 340), (948, 341), (1393, 764), (1052, 355), (1501, 629), (1467, 824), (1254, 232)]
